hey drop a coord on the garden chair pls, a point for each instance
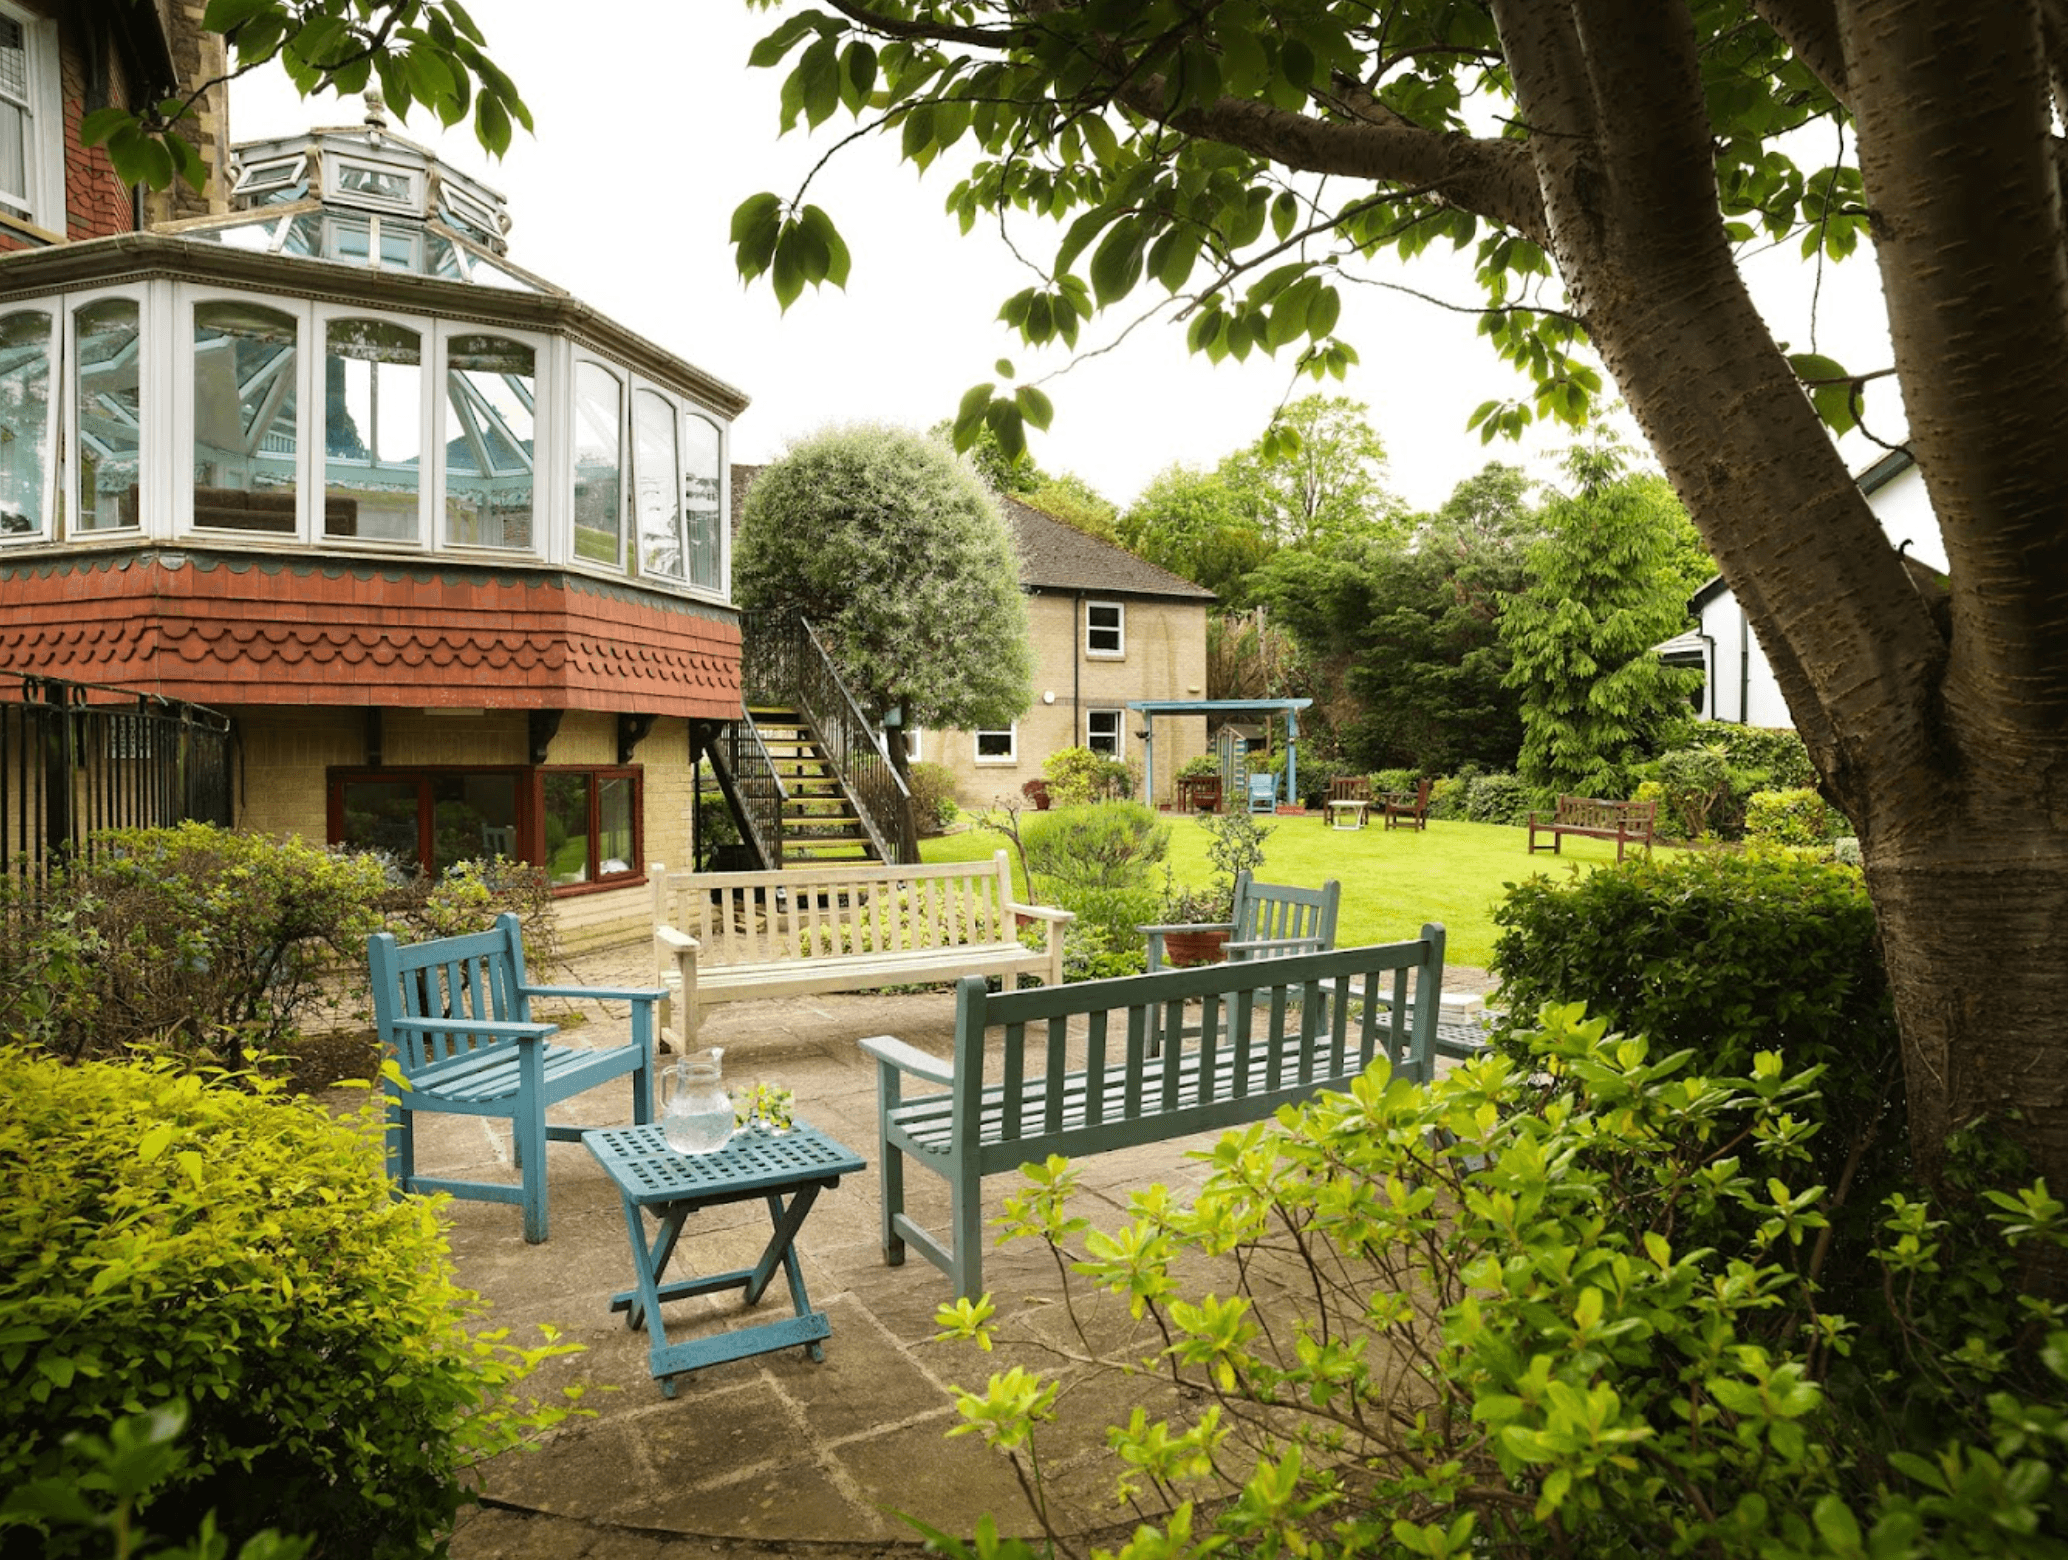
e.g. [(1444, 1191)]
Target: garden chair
[(1349, 802), (1410, 809), (1270, 921), (1263, 793), (455, 1013)]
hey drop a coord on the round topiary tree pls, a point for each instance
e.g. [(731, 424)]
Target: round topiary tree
[(899, 557)]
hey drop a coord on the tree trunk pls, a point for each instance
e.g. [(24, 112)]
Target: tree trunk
[(1960, 795)]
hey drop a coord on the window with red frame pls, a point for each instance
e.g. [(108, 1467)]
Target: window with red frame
[(581, 825)]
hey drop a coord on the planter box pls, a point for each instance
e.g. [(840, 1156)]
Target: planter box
[(1184, 948)]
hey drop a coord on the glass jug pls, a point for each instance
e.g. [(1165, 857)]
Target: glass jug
[(696, 1112)]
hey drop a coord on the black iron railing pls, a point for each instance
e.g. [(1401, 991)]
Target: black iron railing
[(783, 662), (78, 758), (758, 789)]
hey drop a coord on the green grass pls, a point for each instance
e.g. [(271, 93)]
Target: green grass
[(1392, 881)]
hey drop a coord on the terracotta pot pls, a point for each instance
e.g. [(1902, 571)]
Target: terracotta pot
[(1194, 945)]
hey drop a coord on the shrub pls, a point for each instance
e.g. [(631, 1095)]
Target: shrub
[(1385, 782), (933, 796), (1237, 842), (212, 939), (1316, 776), (468, 898), (1726, 956), (1772, 757), (1470, 1318), (1106, 845), (1448, 796), (1078, 775), (1498, 799), (1794, 817), (1695, 783), (169, 1235), (1106, 938)]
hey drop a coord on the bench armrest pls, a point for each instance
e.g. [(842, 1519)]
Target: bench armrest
[(893, 1052), (1043, 913), (1187, 926), (601, 993), (676, 942), (509, 1027)]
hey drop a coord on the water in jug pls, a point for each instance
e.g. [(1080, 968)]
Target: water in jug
[(696, 1112)]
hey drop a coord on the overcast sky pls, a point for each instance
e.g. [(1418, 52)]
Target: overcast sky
[(650, 133)]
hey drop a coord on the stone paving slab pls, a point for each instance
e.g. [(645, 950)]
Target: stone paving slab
[(776, 1453)]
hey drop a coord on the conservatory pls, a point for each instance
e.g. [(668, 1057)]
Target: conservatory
[(446, 542)]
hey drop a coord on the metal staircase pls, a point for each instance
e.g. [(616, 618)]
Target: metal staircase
[(808, 778)]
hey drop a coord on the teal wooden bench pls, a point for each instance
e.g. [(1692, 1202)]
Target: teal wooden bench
[(1270, 920), (455, 1012), (1073, 1070)]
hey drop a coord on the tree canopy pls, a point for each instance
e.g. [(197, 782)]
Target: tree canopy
[(899, 557), (1610, 164), (1326, 481)]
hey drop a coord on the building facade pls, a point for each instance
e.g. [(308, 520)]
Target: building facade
[(446, 543)]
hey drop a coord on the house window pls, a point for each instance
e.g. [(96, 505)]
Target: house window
[(1102, 731), (373, 430), (32, 170), (107, 343), (589, 819), (244, 417), (999, 747), (912, 736), (581, 825), (491, 388), (701, 466), (598, 466), (1105, 629), (25, 406)]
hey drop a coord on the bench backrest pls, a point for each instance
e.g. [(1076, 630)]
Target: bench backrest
[(1350, 788), (1270, 911), (480, 976), (821, 912), (1589, 812), (1246, 1048)]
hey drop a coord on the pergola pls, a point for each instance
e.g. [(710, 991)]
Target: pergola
[(1149, 709)]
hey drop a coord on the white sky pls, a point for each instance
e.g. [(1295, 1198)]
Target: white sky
[(648, 137)]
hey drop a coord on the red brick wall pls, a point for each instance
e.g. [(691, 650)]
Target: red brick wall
[(96, 202)]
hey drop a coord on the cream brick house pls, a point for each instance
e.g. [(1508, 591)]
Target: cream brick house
[(1107, 628)]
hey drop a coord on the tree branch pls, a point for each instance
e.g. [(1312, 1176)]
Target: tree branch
[(1810, 29)]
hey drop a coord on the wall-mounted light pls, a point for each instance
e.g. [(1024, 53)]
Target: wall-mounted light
[(1048, 698)]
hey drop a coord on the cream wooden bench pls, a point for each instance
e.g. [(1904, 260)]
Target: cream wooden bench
[(737, 936)]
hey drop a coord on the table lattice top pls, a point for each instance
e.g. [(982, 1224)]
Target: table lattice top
[(639, 1160)]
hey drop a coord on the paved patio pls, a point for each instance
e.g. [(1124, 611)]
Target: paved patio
[(776, 1453)]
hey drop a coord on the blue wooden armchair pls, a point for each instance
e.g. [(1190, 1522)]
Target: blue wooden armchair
[(455, 1012)]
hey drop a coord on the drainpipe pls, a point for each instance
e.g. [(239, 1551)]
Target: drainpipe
[(1077, 631), (1709, 670)]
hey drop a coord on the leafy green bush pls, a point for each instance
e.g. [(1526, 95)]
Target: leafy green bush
[(1386, 781), (1498, 799), (1727, 955), (1470, 1318), (933, 796), (1106, 939), (1696, 783), (1105, 845), (1236, 842), (213, 939), (1449, 796), (1317, 775), (169, 1235), (1772, 757), (1078, 775), (1794, 817)]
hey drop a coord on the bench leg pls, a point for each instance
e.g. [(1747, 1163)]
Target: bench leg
[(528, 1133), (401, 1136), (966, 1220), (890, 1164)]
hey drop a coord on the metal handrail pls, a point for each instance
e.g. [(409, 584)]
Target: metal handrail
[(754, 777)]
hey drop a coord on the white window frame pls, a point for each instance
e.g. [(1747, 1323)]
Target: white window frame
[(334, 166), (150, 462), (250, 178), (308, 385), (1119, 628), (625, 380), (58, 308), (721, 591), (914, 743), (431, 400), (1009, 757), (544, 509), (1119, 731), (43, 154)]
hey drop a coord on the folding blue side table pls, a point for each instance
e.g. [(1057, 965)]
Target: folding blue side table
[(789, 1169)]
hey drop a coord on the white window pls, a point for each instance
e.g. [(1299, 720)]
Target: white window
[(599, 465), (384, 186), (242, 419), (375, 428), (1105, 629), (108, 379), (1103, 731), (32, 126), (912, 744), (999, 747), (491, 396), (28, 432)]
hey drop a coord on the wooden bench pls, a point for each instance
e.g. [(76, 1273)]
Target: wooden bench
[(1349, 802), (1072, 1070), (1627, 823), (455, 1012), (736, 936)]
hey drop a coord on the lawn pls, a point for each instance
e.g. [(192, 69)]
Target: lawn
[(1392, 881)]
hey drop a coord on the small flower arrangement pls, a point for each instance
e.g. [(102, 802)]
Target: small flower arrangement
[(1184, 905), (765, 1107)]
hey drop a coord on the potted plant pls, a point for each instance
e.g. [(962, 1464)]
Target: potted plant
[(1036, 791), (1196, 923)]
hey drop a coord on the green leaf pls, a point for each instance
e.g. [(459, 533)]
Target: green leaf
[(97, 126), (1034, 406), (1285, 212), (754, 213), (222, 15), (1003, 419), (818, 74), (786, 274), (827, 242), (1172, 255), (491, 125), (858, 78), (154, 1142), (1116, 265), (969, 416)]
